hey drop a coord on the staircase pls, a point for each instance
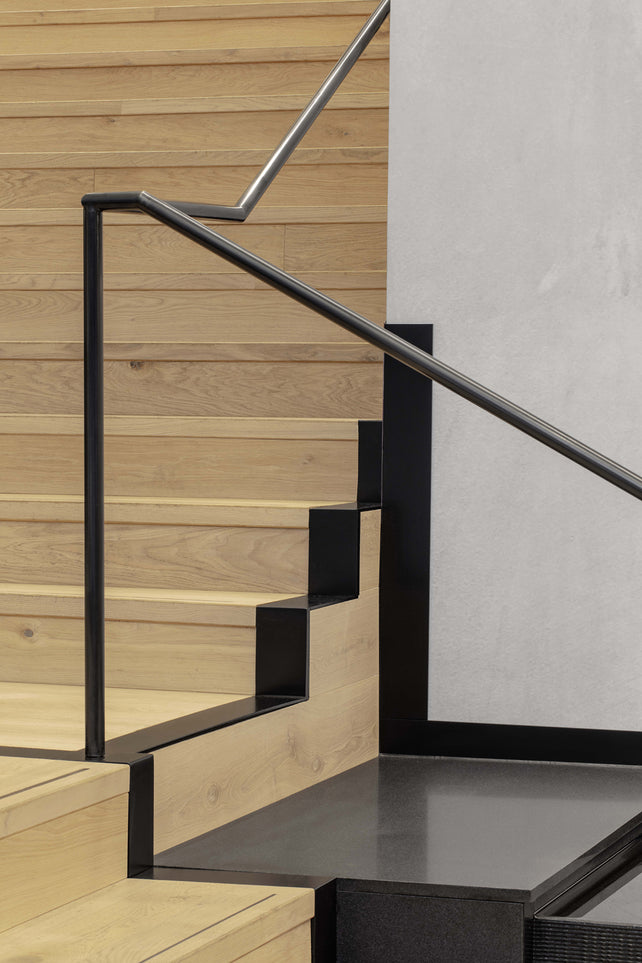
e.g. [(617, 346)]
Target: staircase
[(233, 418)]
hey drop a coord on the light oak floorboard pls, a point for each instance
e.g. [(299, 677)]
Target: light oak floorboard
[(52, 716), (138, 919)]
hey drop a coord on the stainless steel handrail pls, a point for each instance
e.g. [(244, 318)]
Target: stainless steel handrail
[(250, 197), (420, 361)]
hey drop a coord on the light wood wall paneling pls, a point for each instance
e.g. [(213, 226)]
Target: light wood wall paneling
[(221, 776), (149, 247), (63, 859), (188, 131), (342, 280), (172, 317), (200, 389), (312, 184), (232, 157), (139, 655), (328, 247), (182, 80), (160, 556), (180, 10), (219, 467), (178, 921)]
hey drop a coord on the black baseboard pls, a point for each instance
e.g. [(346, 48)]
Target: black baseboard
[(530, 743)]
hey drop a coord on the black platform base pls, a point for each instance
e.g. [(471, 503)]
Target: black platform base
[(446, 860)]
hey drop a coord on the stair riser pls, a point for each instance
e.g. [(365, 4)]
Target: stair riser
[(139, 655), (159, 556), (188, 467), (219, 389)]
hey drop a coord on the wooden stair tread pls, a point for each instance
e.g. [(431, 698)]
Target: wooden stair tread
[(139, 604), (137, 919), (172, 511), (33, 791), (37, 715), (186, 426)]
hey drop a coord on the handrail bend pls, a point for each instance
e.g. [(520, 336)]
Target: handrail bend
[(255, 191), (420, 361)]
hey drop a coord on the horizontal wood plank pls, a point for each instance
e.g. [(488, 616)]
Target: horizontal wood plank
[(34, 791), (218, 467), (160, 556), (176, 920), (139, 655), (183, 80), (345, 281), (62, 860), (247, 130), (52, 716), (144, 604)]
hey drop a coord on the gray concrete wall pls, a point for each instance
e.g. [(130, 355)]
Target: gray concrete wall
[(516, 228)]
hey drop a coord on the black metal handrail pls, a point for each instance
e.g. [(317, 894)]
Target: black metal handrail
[(255, 191), (420, 361)]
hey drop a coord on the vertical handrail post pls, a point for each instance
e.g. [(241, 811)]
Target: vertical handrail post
[(94, 485)]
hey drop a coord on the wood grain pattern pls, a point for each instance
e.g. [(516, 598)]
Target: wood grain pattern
[(328, 247), (221, 467), (246, 512), (181, 80), (311, 184), (161, 556), (294, 946), (221, 776), (129, 604), (189, 105), (52, 716), (346, 647), (179, 921), (148, 247), (328, 214), (34, 791), (369, 558), (345, 281), (139, 655), (234, 156), (165, 37), (190, 131), (335, 352), (181, 316), (62, 860), (202, 389)]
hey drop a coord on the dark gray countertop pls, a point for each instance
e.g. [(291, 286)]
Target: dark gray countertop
[(507, 828)]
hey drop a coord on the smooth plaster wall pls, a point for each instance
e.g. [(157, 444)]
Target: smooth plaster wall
[(515, 226)]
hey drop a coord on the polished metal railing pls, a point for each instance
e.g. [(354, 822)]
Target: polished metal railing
[(255, 191), (391, 344)]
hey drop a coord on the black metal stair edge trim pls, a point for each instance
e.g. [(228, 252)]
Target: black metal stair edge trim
[(196, 724), (475, 740), (370, 461)]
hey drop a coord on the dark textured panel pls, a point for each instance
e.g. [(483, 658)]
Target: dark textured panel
[(510, 829), (370, 440), (573, 941), (372, 928), (140, 852), (405, 533), (534, 743)]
